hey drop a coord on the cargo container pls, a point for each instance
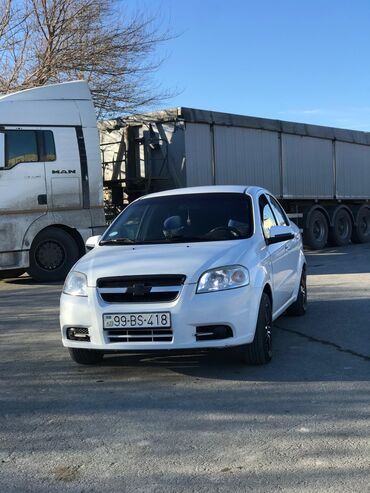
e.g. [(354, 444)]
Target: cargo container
[(320, 174)]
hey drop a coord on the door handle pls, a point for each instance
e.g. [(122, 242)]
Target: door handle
[(287, 247)]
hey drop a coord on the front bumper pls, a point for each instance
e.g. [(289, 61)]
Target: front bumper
[(236, 308)]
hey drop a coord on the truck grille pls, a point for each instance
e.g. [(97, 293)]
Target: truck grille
[(140, 289), (140, 335)]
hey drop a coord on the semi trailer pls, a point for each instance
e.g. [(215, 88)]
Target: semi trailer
[(320, 174), (53, 195), (51, 190)]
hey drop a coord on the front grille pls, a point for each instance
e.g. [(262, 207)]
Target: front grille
[(140, 289), (140, 335)]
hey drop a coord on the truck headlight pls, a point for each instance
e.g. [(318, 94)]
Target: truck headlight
[(75, 284), (230, 277)]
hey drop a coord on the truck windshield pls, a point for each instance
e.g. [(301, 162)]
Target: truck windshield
[(183, 219)]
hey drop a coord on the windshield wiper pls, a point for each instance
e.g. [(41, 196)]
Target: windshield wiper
[(117, 241)]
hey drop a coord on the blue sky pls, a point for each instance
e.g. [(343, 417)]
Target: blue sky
[(305, 61)]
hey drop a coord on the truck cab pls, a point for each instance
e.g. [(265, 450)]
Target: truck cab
[(51, 191)]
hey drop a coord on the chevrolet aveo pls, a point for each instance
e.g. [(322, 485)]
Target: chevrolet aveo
[(204, 267)]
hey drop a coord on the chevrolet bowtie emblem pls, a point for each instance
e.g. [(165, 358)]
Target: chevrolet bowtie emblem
[(139, 289)]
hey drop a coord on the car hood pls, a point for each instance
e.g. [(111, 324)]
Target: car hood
[(189, 259)]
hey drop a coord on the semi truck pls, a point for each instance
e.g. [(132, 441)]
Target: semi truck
[(320, 174), (51, 190), (53, 195)]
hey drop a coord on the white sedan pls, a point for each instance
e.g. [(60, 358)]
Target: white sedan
[(204, 267)]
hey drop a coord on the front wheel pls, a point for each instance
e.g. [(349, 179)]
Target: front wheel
[(86, 356), (53, 253), (259, 352)]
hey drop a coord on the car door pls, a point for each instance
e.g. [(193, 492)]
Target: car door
[(292, 247), (63, 169), (280, 255), (22, 185)]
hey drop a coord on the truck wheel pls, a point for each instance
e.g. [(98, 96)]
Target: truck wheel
[(299, 307), (341, 232), (361, 231), (86, 356), (316, 233), (53, 253), (259, 352)]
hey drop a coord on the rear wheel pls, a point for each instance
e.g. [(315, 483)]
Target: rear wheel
[(259, 352), (361, 231), (341, 232), (86, 356), (316, 232), (52, 255), (299, 307)]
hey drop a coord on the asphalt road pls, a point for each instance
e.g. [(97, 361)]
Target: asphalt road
[(193, 422)]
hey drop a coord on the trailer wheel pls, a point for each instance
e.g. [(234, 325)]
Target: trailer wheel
[(53, 253), (316, 232), (361, 231), (341, 231)]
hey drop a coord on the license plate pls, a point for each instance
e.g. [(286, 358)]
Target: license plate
[(136, 320)]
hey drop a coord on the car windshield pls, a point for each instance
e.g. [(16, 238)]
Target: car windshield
[(182, 219)]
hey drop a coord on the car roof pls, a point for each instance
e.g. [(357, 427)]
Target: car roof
[(251, 190)]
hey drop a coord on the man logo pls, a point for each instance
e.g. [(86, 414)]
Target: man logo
[(63, 171)]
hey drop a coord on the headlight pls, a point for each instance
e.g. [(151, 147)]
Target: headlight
[(234, 276), (75, 284)]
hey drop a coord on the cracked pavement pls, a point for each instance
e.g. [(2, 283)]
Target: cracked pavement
[(192, 421)]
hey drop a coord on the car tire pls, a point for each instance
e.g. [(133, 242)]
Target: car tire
[(299, 307), (259, 352), (86, 356), (53, 253)]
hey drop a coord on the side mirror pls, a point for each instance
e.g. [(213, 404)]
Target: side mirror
[(92, 242), (280, 233)]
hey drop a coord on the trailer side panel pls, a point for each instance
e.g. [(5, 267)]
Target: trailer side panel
[(198, 148), (353, 170), (307, 164), (247, 156)]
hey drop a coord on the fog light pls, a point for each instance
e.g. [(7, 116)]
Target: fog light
[(78, 334)]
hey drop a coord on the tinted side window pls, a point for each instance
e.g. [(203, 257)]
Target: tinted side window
[(267, 216), (20, 147), (49, 146), (279, 213)]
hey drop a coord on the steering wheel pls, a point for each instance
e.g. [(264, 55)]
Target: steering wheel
[(229, 229)]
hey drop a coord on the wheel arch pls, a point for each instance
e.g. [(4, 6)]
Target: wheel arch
[(71, 231)]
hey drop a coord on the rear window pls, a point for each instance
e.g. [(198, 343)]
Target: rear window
[(184, 218)]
